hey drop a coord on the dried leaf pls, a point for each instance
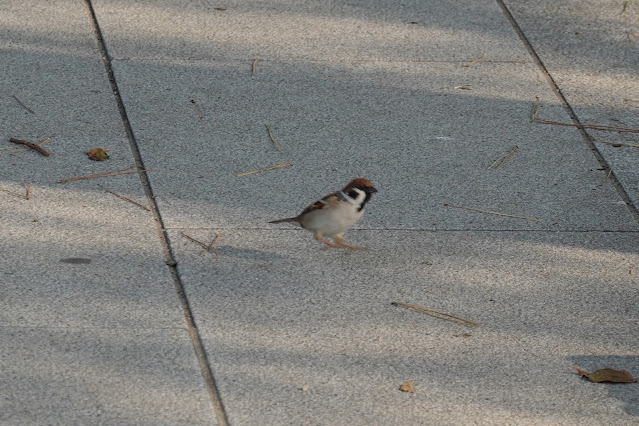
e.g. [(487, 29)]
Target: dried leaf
[(304, 388), (408, 386), (607, 375), (98, 154)]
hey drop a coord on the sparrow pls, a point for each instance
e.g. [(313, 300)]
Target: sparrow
[(336, 213)]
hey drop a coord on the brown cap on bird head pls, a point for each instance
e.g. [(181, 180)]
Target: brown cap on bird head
[(361, 184)]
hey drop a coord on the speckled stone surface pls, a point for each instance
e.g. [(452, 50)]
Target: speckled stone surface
[(91, 328), (421, 98)]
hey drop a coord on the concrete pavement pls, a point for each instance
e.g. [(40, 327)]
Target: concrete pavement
[(111, 314)]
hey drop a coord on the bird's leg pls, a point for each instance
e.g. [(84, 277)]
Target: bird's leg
[(339, 239), (318, 237)]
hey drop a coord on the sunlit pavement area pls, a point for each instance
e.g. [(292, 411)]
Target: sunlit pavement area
[(502, 245)]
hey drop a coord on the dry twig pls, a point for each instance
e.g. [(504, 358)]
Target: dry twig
[(122, 197), (633, 35), (23, 105), (626, 6), (196, 227), (193, 239), (211, 246), (206, 247), (26, 197), (616, 144), (535, 110), (28, 186), (501, 160), (32, 145), (13, 193), (476, 61), (534, 119), (255, 65), (493, 213), (270, 135), (118, 172), (438, 314), (265, 170), (17, 149)]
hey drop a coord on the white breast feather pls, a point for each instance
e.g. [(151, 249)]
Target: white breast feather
[(335, 221)]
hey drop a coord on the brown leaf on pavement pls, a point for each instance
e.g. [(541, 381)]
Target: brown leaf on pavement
[(98, 154), (408, 386), (607, 375)]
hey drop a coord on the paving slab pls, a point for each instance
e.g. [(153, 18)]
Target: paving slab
[(404, 126), (82, 258), (74, 254), (80, 376), (91, 328), (591, 50), (307, 30), (278, 314)]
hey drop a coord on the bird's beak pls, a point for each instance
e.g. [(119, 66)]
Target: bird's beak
[(371, 190)]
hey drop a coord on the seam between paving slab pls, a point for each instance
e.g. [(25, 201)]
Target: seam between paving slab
[(571, 113), (196, 339), (243, 59), (540, 231)]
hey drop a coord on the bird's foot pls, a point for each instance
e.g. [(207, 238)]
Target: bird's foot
[(340, 243)]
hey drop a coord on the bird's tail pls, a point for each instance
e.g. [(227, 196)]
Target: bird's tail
[(288, 219)]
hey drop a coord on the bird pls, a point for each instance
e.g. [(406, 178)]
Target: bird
[(336, 213)]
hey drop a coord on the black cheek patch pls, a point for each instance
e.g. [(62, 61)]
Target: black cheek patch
[(353, 194), (366, 200)]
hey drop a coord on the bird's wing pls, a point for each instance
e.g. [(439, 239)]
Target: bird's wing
[(327, 202)]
